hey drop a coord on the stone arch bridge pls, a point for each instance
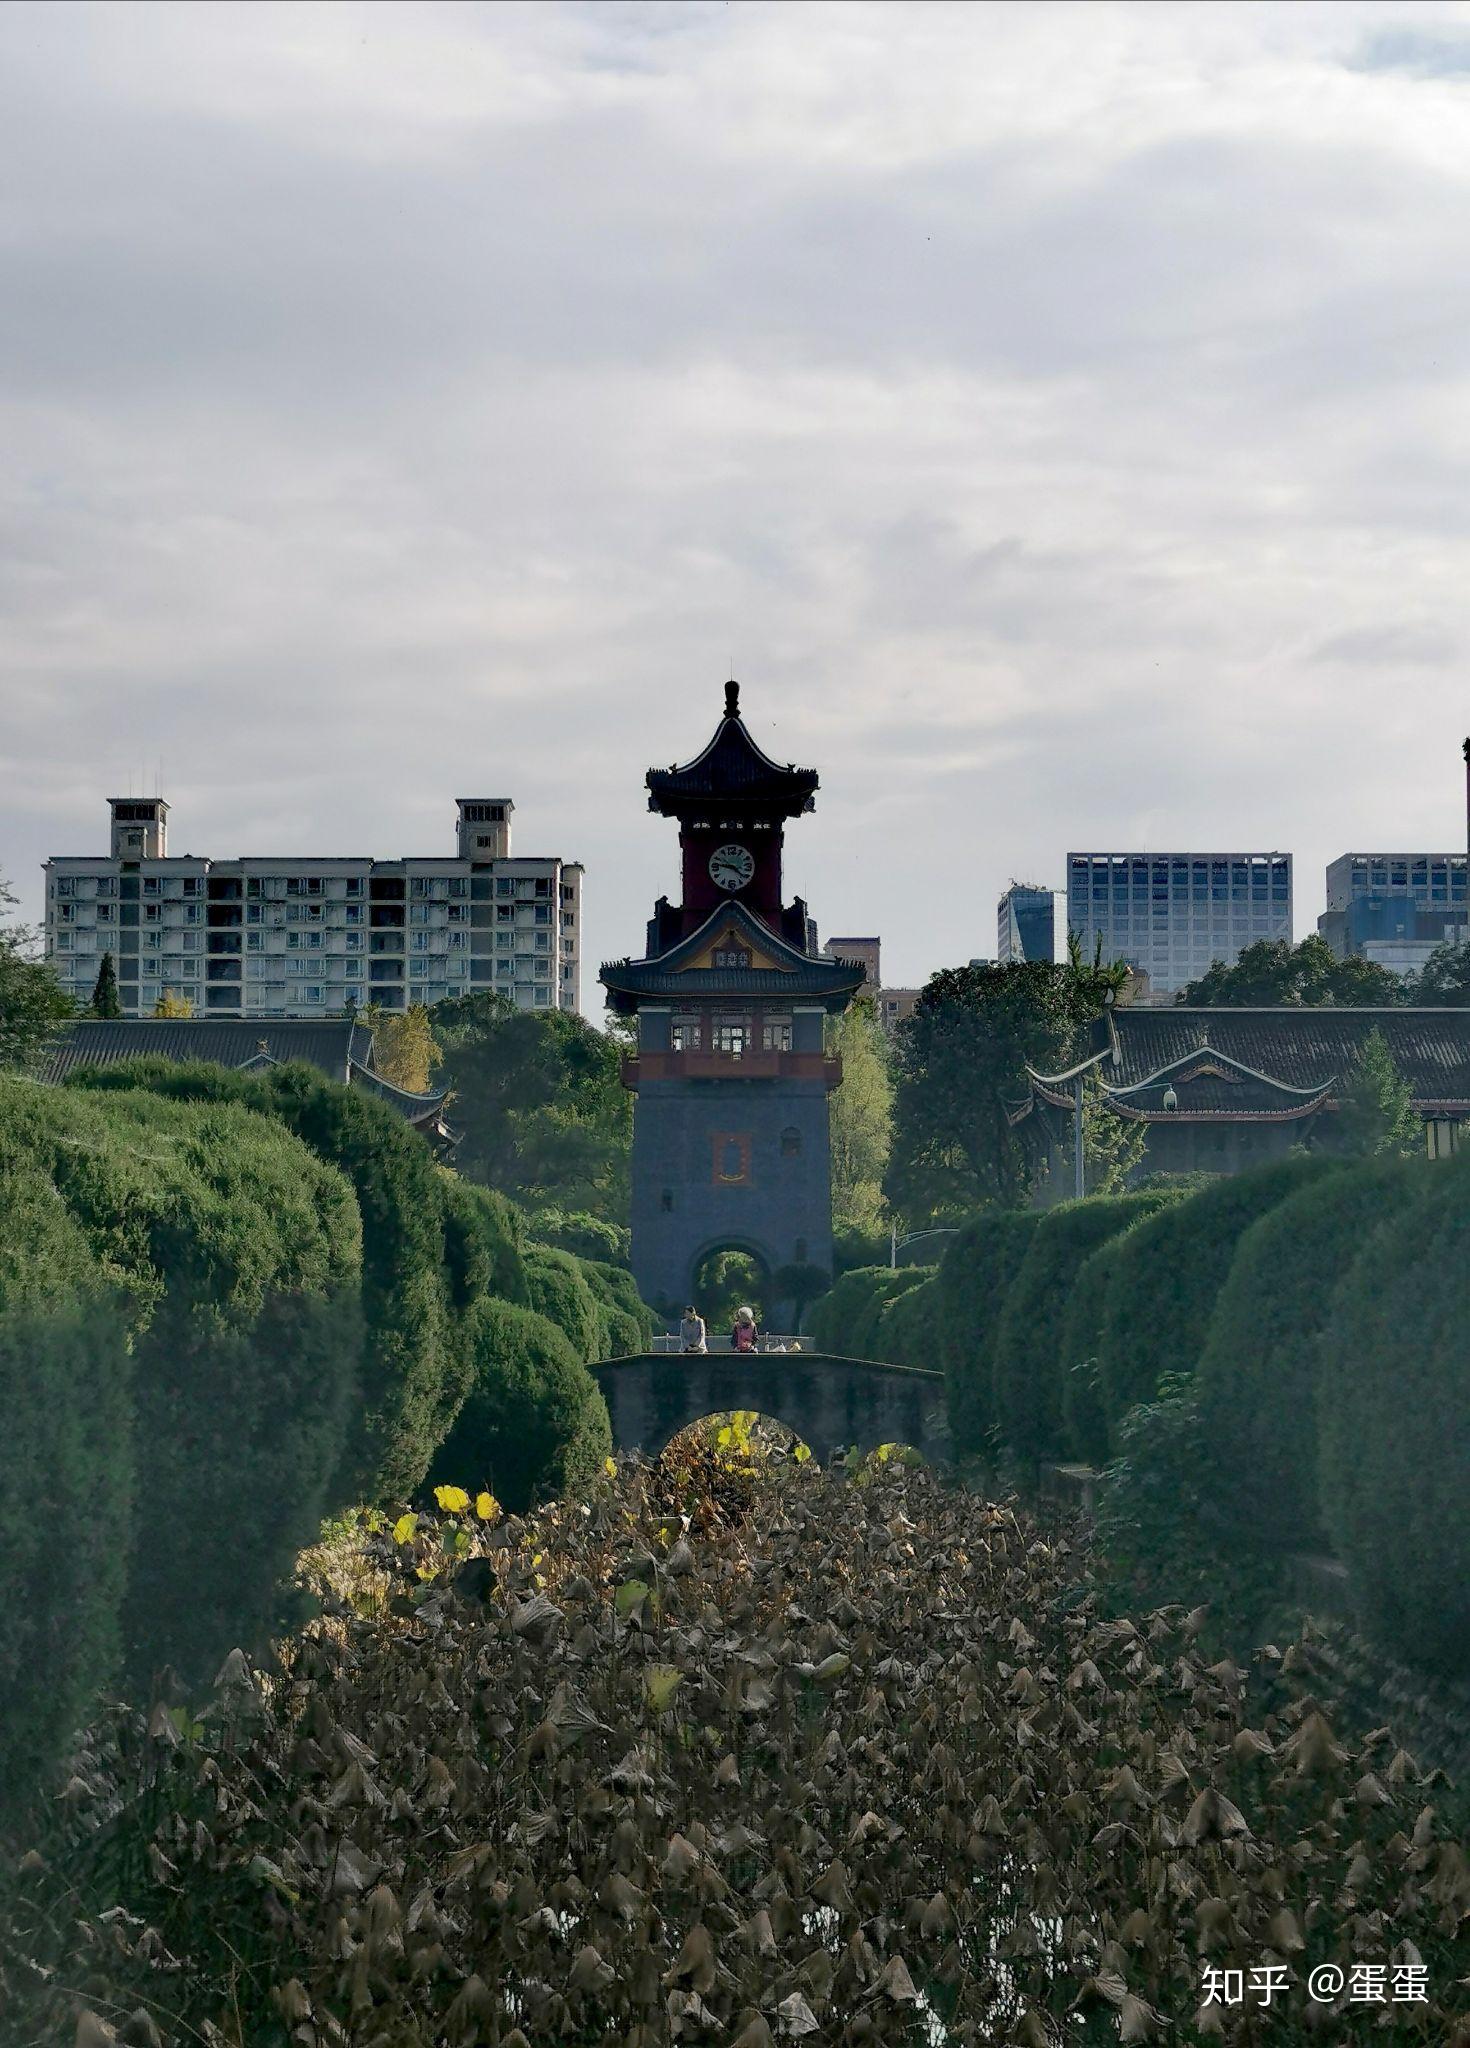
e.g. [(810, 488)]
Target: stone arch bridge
[(831, 1403)]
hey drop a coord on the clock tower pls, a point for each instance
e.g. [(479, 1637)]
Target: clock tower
[(730, 1125)]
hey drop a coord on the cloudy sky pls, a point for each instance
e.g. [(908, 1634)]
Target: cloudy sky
[(1057, 416)]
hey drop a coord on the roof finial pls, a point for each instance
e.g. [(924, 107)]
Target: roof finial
[(732, 699)]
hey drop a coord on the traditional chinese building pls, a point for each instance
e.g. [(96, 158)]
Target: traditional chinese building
[(1221, 1089), (730, 1128)]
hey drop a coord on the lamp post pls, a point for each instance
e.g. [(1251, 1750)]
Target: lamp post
[(896, 1243)]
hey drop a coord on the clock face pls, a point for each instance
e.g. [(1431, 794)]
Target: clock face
[(731, 867)]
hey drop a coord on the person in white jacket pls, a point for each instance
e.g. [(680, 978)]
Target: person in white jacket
[(692, 1334)]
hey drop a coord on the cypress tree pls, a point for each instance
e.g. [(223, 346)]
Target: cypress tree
[(105, 1001)]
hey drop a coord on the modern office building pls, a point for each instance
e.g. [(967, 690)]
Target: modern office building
[(1172, 914), (1394, 908), (1025, 924), (272, 936)]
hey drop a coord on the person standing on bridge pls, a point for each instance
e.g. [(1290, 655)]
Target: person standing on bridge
[(745, 1335), (692, 1334)]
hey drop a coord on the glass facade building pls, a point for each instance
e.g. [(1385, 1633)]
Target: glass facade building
[(1171, 914), (1025, 924), (1394, 908)]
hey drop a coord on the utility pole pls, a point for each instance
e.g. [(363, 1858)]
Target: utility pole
[(1080, 1176)]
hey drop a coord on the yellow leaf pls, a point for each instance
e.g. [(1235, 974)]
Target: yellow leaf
[(802, 1453), (452, 1499), (661, 1682), (487, 1507), (610, 1467), (404, 1527)]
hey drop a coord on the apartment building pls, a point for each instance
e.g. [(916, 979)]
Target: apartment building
[(271, 936), (1172, 914)]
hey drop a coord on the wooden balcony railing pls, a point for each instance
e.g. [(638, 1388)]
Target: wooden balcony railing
[(756, 1065)]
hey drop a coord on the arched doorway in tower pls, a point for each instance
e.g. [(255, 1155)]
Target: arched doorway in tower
[(728, 1277)]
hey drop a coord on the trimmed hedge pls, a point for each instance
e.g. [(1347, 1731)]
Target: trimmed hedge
[(237, 1254), (1394, 1423), (66, 1476), (1084, 1418), (845, 1320), (1170, 1269), (559, 1291), (627, 1322), (482, 1243), (533, 1423), (909, 1326), (974, 1278), (1258, 1371), (412, 1376), (1030, 1364), (865, 1339)]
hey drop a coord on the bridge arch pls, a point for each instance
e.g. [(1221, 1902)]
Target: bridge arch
[(830, 1403)]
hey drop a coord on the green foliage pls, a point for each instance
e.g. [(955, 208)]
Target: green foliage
[(1258, 1372), (533, 1423), (861, 1111), (1028, 1361), (538, 1093), (106, 1001), (974, 1278), (1394, 1423), (798, 1286), (724, 1281), (960, 1067), (482, 1243), (1112, 1147), (1084, 1419), (1162, 1291), (237, 1254), (1444, 982), (66, 1477), (584, 1235), (1273, 973), (411, 1379), (909, 1325), (834, 1317), (561, 1294), (864, 1335), (33, 1004), (1376, 1113)]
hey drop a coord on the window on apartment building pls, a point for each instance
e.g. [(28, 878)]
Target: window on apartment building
[(505, 913), (543, 885), (543, 914), (63, 885), (505, 885), (63, 940)]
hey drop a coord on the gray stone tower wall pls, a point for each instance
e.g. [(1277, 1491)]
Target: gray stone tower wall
[(781, 1207)]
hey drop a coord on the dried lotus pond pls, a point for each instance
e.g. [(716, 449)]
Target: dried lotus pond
[(831, 1763)]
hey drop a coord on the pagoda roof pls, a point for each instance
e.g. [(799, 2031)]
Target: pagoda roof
[(734, 767), (1227, 1063), (784, 973)]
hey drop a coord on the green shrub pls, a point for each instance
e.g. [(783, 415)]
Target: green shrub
[(1257, 1374), (482, 1243), (834, 1319), (533, 1424), (584, 1235), (412, 1373), (1084, 1418), (1161, 1293), (629, 1321), (908, 1327), (865, 1337), (1029, 1363), (238, 1254), (974, 1278), (66, 1478), (1394, 1423), (561, 1294)]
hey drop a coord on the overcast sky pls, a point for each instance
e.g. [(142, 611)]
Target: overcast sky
[(1056, 415)]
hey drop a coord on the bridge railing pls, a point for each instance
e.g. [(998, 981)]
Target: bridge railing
[(766, 1344)]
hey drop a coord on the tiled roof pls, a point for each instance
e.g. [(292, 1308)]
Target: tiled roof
[(800, 974), (1305, 1048), (732, 765), (341, 1047), (1272, 1060)]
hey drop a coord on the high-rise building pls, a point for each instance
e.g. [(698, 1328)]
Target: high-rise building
[(1172, 914), (298, 936), (1394, 908), (1025, 924)]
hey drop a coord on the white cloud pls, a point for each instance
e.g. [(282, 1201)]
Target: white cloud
[(1055, 414)]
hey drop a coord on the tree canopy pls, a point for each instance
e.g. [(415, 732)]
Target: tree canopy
[(1444, 982), (1376, 1114), (960, 1067), (537, 1093), (32, 1001), (1273, 973), (862, 1118)]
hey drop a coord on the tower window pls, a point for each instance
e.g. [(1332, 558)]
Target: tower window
[(666, 1201), (791, 1142)]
